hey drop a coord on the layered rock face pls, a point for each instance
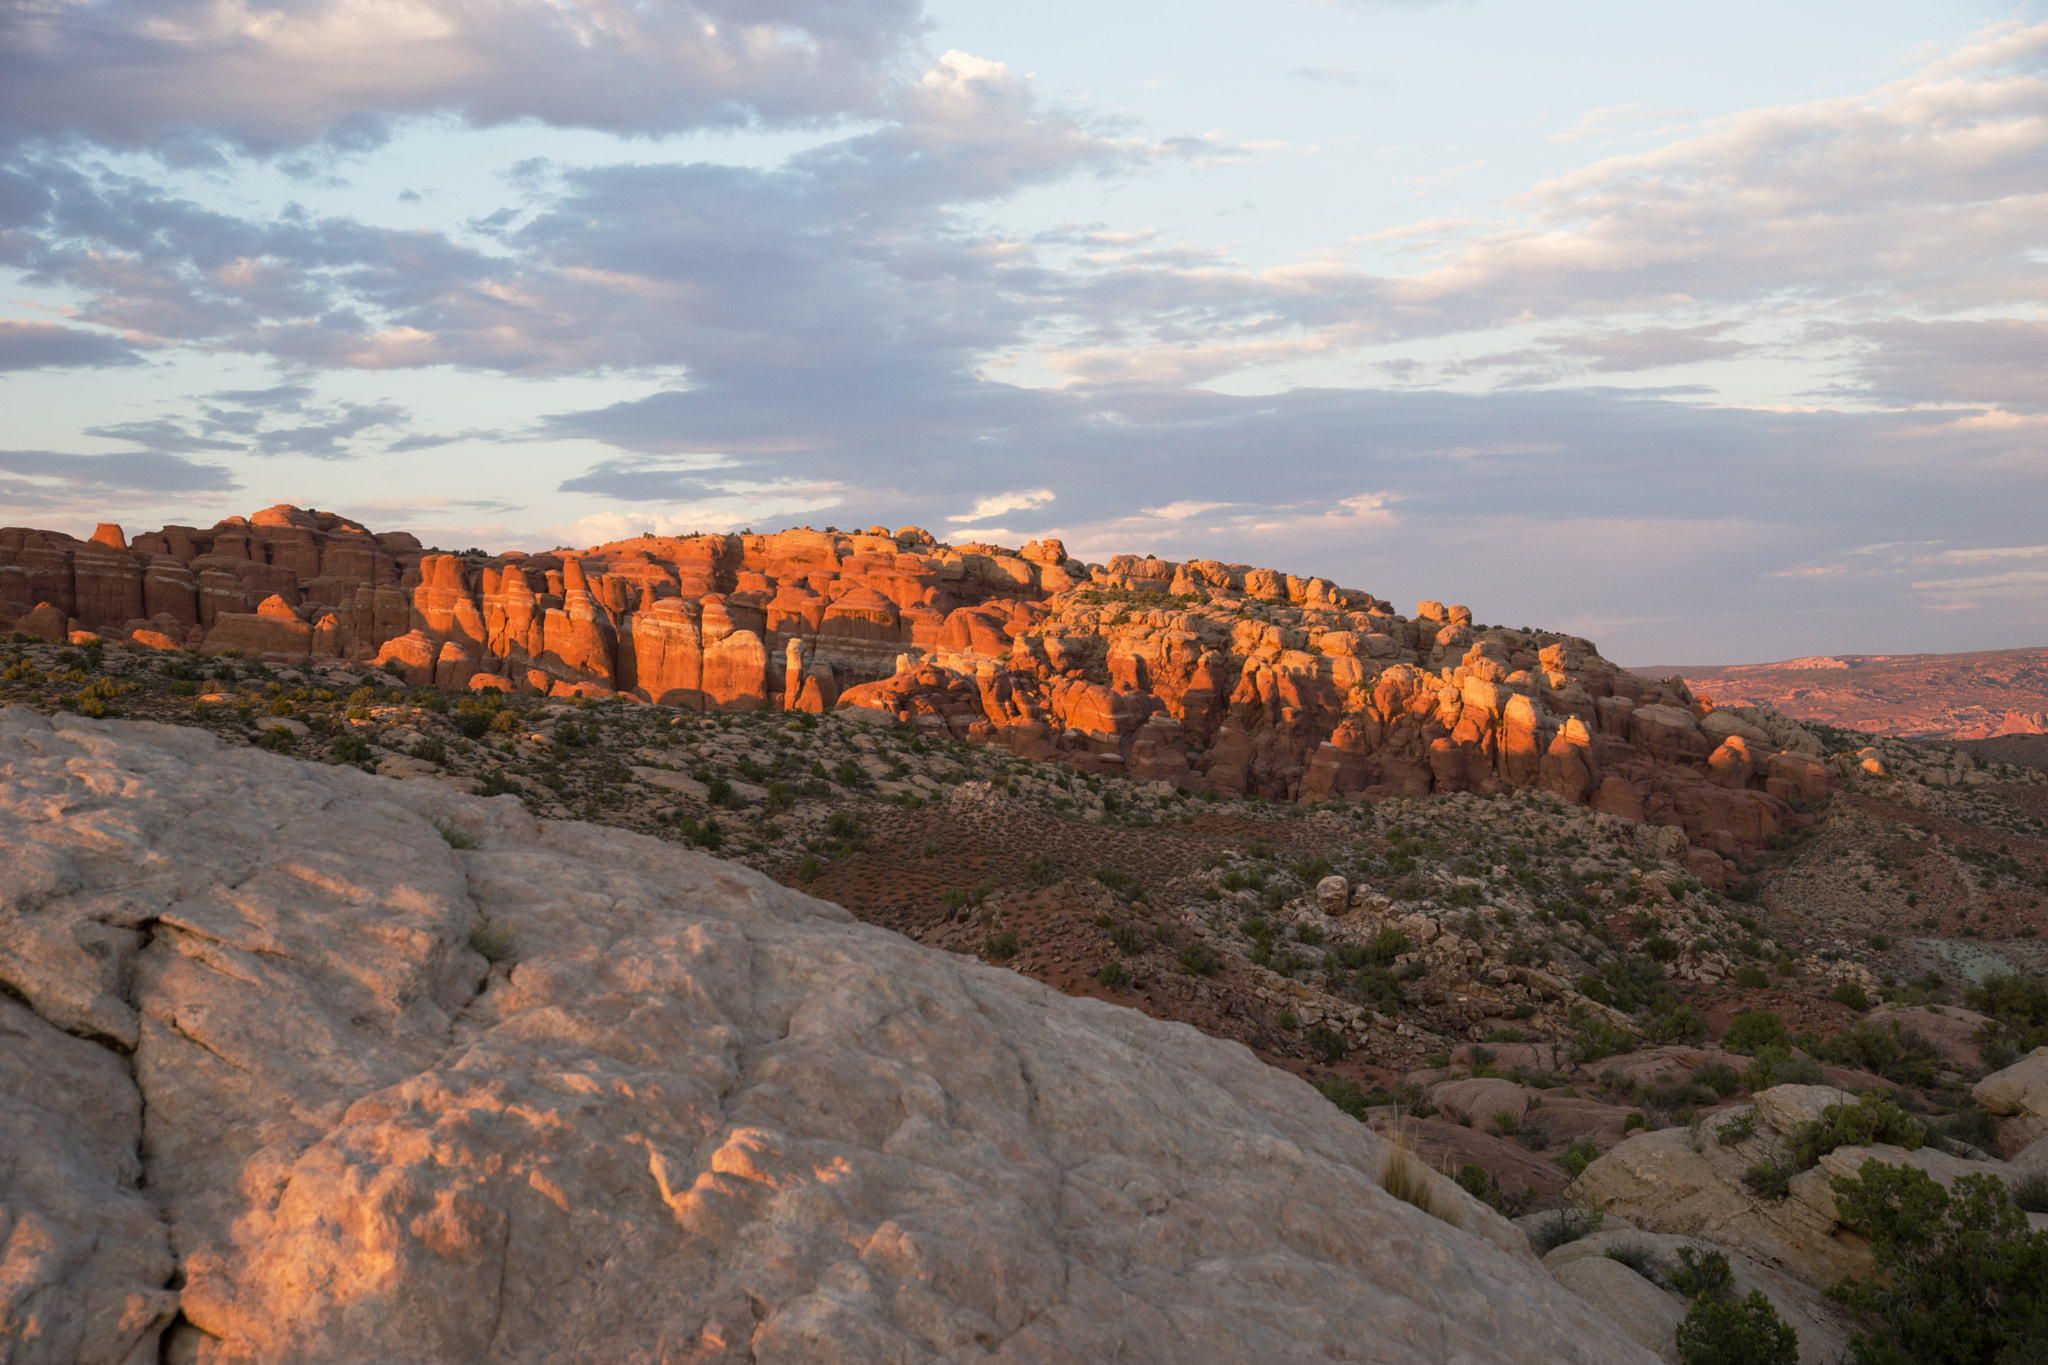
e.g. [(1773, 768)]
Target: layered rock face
[(1241, 680), (263, 1100)]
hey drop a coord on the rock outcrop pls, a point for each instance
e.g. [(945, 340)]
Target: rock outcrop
[(1241, 680), (264, 1099), (1676, 1182)]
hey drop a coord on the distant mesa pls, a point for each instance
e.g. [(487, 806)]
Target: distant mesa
[(1240, 680)]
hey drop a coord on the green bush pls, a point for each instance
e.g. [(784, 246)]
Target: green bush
[(1326, 1043), (1718, 1077), (1700, 1275), (1577, 1157), (1900, 1055), (1751, 978), (1961, 1279), (1001, 947), (1741, 1128), (1199, 959), (1112, 975), (348, 749), (1850, 994), (1678, 1025), (1750, 1030), (1775, 1065), (1871, 1120), (2030, 1192), (1593, 1039), (1716, 1331), (1345, 1094), (277, 739)]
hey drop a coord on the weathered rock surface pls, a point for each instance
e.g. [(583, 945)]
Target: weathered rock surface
[(1650, 1313), (695, 1116), (2020, 1090), (1236, 679), (1671, 1182)]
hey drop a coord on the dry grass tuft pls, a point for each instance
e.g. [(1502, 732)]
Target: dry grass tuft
[(1406, 1178)]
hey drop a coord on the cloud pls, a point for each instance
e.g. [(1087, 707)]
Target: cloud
[(47, 345), (1342, 75), (1181, 511), (2001, 360), (41, 482), (175, 75), (997, 504)]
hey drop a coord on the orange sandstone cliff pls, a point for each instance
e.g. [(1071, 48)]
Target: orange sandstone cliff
[(1236, 679)]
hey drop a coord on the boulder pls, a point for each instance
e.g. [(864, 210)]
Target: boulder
[(2020, 1090), (1333, 894), (1648, 1314), (687, 1113), (1784, 1107)]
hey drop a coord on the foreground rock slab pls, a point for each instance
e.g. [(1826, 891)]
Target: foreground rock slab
[(690, 1116)]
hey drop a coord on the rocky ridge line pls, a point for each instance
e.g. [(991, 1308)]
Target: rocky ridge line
[(1223, 677)]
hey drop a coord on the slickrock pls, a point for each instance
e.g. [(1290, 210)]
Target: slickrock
[(1236, 679), (689, 1114), (1675, 1182), (2019, 1090), (1650, 1313)]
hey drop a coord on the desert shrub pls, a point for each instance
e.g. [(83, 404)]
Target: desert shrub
[(1115, 879), (496, 783), (1900, 1055), (1872, 1119), (1378, 985), (1577, 1157), (1753, 1029), (455, 835), (1042, 870), (1593, 1039), (1484, 1186), (1720, 1331), (1112, 975), (1677, 1025), (1741, 1128), (1406, 1178), (1124, 938), (1001, 947), (348, 749), (1969, 1124), (1961, 1279), (1345, 1094), (277, 739), (430, 749), (1326, 1043), (1311, 869), (807, 868), (1718, 1077), (1850, 994), (1199, 959), (1662, 947), (2030, 1192), (2018, 1007), (1504, 1123), (1633, 1122), (1638, 1258), (844, 826), (471, 720), (1700, 1274), (1775, 1065), (1562, 1227), (1751, 978), (1770, 1178), (492, 940)]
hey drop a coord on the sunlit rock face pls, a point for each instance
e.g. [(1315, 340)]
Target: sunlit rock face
[(1241, 680), (264, 1099)]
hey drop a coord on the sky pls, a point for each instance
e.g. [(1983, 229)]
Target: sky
[(1714, 333)]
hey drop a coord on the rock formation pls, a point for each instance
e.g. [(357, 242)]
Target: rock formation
[(1241, 680), (264, 1099)]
